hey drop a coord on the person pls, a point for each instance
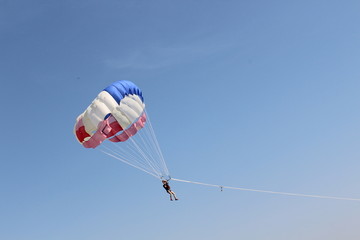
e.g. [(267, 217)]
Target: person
[(168, 190)]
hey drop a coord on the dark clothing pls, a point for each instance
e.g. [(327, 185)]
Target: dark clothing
[(166, 186)]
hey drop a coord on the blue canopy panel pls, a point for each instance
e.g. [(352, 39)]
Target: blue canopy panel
[(119, 89)]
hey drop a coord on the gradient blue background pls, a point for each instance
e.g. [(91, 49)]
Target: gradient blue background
[(258, 94)]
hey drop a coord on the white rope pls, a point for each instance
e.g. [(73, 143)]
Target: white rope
[(266, 191), (141, 151), (145, 157), (126, 157), (157, 146), (124, 161)]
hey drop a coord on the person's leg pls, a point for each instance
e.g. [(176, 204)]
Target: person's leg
[(169, 192), (173, 193)]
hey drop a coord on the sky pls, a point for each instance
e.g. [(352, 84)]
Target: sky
[(256, 94)]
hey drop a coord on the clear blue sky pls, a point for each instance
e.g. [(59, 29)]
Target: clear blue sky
[(259, 94)]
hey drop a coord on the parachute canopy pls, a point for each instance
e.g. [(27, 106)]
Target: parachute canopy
[(118, 115)]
